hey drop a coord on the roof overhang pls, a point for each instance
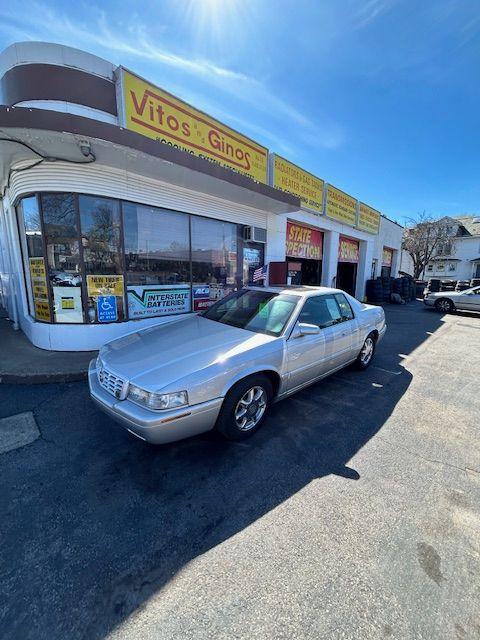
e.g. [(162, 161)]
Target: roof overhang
[(58, 134)]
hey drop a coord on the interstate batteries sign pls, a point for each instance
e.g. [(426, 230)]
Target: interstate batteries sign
[(163, 300), (290, 178), (159, 115)]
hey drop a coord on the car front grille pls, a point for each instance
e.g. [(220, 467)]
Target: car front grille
[(115, 385)]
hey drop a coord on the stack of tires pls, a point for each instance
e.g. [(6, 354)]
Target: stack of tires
[(448, 285), (475, 282), (462, 285), (433, 286), (380, 290), (419, 288), (374, 291)]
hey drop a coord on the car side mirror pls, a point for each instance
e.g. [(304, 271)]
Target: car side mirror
[(305, 329)]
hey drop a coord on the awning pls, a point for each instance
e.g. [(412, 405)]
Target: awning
[(58, 134)]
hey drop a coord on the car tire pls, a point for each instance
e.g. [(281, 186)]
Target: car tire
[(244, 408), (367, 352), (444, 305)]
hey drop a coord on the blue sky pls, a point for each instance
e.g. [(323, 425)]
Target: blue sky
[(379, 97)]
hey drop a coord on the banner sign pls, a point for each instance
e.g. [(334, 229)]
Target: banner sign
[(348, 250), (157, 300), (104, 286), (368, 219), (387, 257), (290, 178), (159, 115), (340, 206), (303, 242), (38, 279)]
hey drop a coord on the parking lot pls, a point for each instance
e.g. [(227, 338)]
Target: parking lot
[(353, 513)]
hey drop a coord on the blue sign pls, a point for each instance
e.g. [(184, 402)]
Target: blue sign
[(106, 308)]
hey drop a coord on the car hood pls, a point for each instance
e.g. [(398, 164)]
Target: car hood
[(155, 357)]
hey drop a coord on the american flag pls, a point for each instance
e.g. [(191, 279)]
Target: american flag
[(260, 273)]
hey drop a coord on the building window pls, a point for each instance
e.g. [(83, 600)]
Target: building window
[(95, 259), (429, 267), (38, 293), (440, 266), (214, 259), (157, 258), (60, 221), (452, 266), (103, 258)]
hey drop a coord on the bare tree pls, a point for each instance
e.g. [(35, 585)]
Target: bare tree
[(424, 237)]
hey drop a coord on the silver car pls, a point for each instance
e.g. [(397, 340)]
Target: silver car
[(448, 301), (221, 369)]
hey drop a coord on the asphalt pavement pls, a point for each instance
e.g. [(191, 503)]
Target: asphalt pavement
[(354, 512)]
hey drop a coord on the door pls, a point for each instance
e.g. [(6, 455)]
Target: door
[(310, 357), (469, 301)]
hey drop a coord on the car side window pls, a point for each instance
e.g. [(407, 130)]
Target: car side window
[(320, 310), (345, 308)]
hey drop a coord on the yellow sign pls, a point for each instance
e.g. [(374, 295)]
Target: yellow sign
[(290, 178), (42, 310), (37, 268), (104, 286), (368, 219), (340, 206), (159, 115), (68, 303), (39, 290)]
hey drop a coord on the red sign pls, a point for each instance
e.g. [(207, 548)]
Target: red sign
[(348, 250), (387, 256), (303, 242)]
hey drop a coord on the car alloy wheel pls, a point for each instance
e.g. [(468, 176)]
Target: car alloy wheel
[(367, 351), (445, 306), (250, 408)]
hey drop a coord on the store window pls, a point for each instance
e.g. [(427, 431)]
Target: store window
[(157, 260), (60, 221), (37, 274), (252, 260), (214, 260), (100, 226), (96, 259)]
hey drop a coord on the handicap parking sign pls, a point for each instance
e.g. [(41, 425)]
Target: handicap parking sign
[(106, 308)]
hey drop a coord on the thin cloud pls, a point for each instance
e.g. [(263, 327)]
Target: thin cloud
[(370, 11), (41, 22)]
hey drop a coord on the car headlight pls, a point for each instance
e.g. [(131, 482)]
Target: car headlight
[(157, 401), (98, 363)]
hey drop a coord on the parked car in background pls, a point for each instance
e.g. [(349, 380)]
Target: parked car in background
[(223, 368), (448, 301)]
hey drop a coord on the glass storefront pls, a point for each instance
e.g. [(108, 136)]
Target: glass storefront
[(95, 260)]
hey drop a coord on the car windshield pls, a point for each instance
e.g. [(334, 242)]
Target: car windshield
[(258, 311)]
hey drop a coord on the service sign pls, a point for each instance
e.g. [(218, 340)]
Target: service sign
[(290, 178), (303, 242), (157, 300), (340, 206), (37, 269), (42, 310), (104, 285), (161, 116), (348, 250), (368, 219)]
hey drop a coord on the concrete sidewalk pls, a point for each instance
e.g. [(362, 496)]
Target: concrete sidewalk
[(22, 363)]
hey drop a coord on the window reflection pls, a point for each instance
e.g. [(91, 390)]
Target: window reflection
[(63, 257), (214, 260), (102, 255)]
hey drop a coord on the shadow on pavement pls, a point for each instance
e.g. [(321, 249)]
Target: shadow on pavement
[(95, 522)]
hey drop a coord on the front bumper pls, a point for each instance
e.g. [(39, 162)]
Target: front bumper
[(157, 427), (429, 302)]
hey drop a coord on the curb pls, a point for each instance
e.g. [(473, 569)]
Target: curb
[(42, 378)]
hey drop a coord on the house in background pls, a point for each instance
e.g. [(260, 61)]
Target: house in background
[(456, 259)]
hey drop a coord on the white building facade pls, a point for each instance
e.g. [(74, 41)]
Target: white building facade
[(105, 229)]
